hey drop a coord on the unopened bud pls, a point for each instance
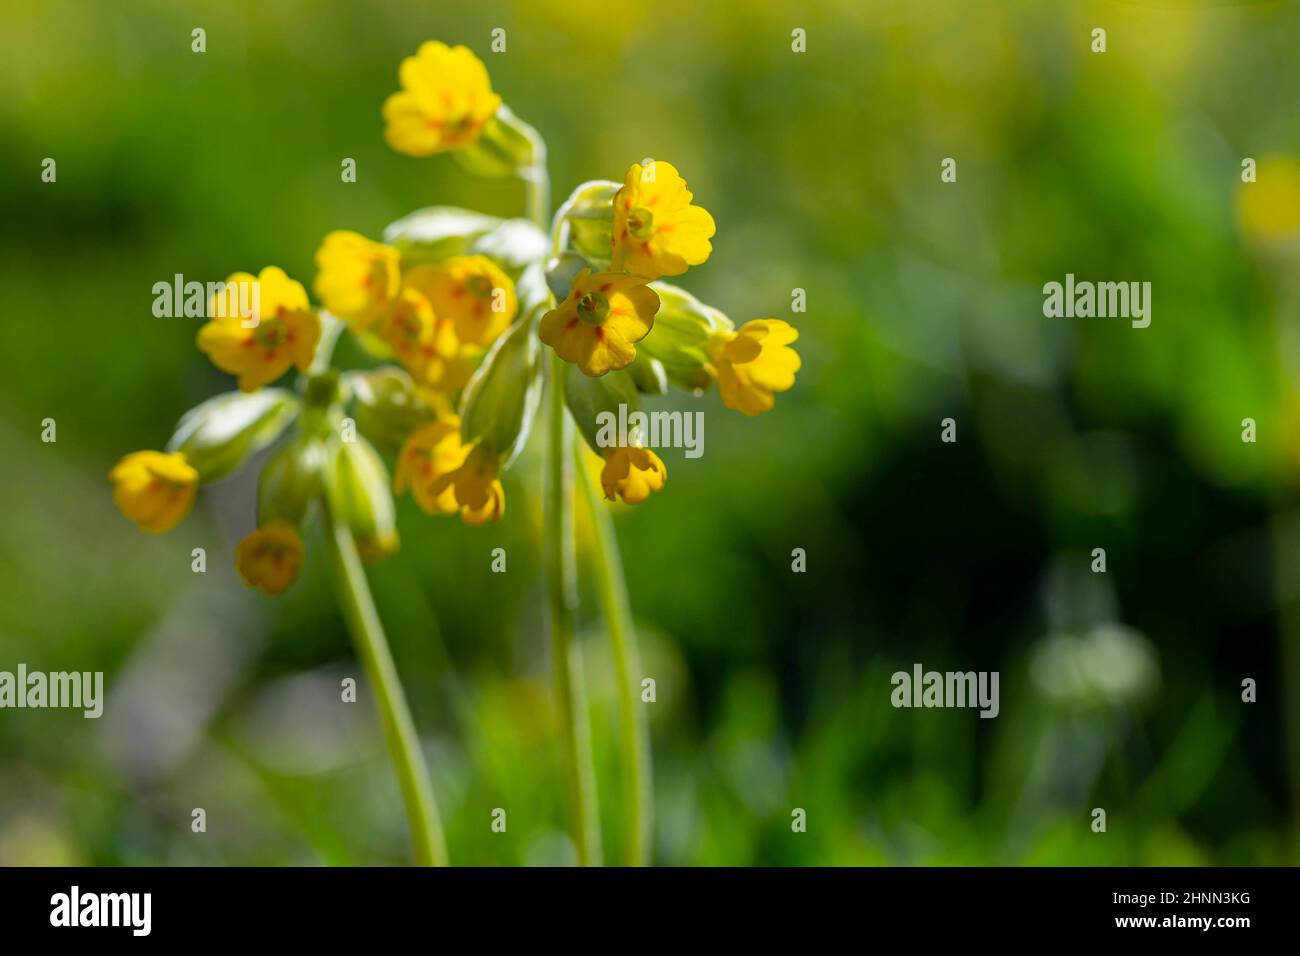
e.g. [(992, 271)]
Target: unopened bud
[(219, 435), (357, 494)]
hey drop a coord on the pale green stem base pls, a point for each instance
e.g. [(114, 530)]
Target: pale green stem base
[(634, 733), (566, 656), (427, 841)]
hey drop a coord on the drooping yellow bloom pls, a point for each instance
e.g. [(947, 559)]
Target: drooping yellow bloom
[(281, 331), (657, 232), (471, 291), (753, 363), (598, 325), (476, 485), (154, 489), (357, 278), (1269, 208), (423, 342), (631, 473), (445, 476), (445, 101), (270, 558)]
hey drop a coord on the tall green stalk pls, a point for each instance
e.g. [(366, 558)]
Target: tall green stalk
[(566, 655), (634, 734), (561, 583), (427, 841)]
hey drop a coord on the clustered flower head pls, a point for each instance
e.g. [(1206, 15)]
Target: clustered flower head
[(615, 244), (458, 304)]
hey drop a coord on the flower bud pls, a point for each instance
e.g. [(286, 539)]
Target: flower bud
[(388, 409), (680, 337), (290, 481), (438, 232), (648, 374), (561, 271), (357, 494), (507, 147), (500, 401), (588, 217), (219, 435), (324, 395), (591, 400), (513, 245)]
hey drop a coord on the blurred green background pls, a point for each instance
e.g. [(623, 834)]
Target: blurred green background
[(1119, 691)]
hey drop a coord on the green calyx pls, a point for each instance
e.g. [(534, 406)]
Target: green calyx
[(593, 308), (640, 223)]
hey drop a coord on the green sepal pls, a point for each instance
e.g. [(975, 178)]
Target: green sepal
[(218, 436)]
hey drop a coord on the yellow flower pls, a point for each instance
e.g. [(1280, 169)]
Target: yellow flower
[(270, 558), (1269, 208), (631, 473), (754, 362), (445, 476), (657, 232), (154, 489), (445, 101), (424, 343), (356, 278), (476, 485), (471, 291), (600, 321), (282, 331)]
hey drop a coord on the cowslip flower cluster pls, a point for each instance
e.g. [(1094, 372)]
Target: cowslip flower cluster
[(458, 305), (615, 244)]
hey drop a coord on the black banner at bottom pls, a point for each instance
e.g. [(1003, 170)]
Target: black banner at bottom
[(337, 905)]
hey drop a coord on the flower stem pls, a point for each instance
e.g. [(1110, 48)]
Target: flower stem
[(634, 736), (537, 190), (428, 844), (561, 585), (566, 656)]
